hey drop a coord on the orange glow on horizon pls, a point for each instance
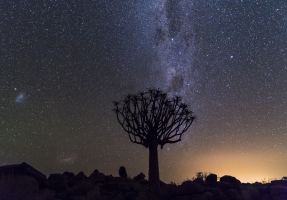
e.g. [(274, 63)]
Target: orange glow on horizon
[(248, 168)]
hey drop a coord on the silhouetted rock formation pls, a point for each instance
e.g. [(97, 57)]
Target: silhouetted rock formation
[(23, 169), (97, 177), (199, 181), (26, 183), (188, 188), (21, 181), (279, 183), (236, 184), (123, 172), (139, 177), (57, 182), (211, 180)]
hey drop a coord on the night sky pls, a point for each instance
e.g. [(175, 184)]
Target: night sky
[(64, 62)]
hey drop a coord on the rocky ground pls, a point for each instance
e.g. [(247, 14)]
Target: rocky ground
[(23, 182)]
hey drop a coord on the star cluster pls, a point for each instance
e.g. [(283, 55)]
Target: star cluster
[(63, 63)]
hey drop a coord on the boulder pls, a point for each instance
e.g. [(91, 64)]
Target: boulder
[(250, 193), (245, 195), (209, 195), (265, 197), (218, 194), (78, 198), (223, 186), (183, 197), (278, 192), (279, 183), (123, 172), (68, 175), (22, 187), (81, 189), (204, 196), (110, 178), (97, 177), (257, 184), (262, 189), (232, 194), (139, 177), (113, 189), (143, 182), (81, 176), (189, 187), (94, 194), (211, 180), (57, 182), (168, 191), (74, 180), (24, 169), (236, 184), (199, 181)]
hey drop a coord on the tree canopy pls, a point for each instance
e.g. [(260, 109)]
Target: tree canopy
[(153, 115)]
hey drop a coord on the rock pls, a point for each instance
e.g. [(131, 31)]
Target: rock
[(265, 197), (262, 189), (97, 177), (279, 183), (199, 181), (94, 194), (250, 193), (223, 186), (81, 176), (123, 172), (236, 184), (143, 182), (211, 180), (168, 191), (24, 182), (183, 197), (278, 192), (71, 179), (232, 194), (209, 195), (57, 182), (218, 194), (189, 187), (68, 175), (120, 196), (81, 189), (204, 196), (110, 178), (245, 195), (140, 176), (78, 198), (61, 195), (24, 169), (257, 184), (22, 187), (114, 189)]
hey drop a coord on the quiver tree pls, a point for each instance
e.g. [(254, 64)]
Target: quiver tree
[(153, 119)]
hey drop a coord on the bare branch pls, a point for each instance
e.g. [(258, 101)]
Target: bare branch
[(151, 115)]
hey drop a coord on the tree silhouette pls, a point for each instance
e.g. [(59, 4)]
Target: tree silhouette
[(152, 118)]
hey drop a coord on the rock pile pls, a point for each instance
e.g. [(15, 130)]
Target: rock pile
[(26, 183)]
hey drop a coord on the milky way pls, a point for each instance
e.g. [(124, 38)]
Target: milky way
[(174, 43), (63, 63)]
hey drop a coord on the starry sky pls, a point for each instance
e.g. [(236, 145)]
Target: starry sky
[(64, 62)]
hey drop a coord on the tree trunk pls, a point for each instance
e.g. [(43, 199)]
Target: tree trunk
[(153, 174)]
